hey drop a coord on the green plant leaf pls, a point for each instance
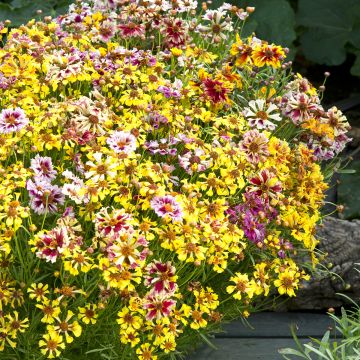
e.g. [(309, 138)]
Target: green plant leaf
[(329, 26), (275, 21)]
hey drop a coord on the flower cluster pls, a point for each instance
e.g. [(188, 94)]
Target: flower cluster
[(157, 174)]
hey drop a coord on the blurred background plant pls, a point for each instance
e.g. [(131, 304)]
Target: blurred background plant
[(21, 11)]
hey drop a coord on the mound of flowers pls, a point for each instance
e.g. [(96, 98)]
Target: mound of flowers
[(158, 173)]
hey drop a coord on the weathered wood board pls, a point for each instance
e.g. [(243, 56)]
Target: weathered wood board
[(269, 332)]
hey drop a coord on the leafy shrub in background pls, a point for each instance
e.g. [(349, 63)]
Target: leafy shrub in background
[(21, 11)]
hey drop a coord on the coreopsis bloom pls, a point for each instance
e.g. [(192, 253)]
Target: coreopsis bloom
[(44, 197), (300, 107), (270, 55), (88, 314), (254, 145), (241, 51), (287, 282), (216, 90), (265, 184), (100, 168), (219, 24), (112, 223), (243, 286), (122, 142), (12, 120), (163, 147), (38, 291), (161, 277), (51, 345), (131, 30), (50, 245), (260, 115), (15, 324), (66, 327), (175, 32), (158, 306), (50, 309), (167, 206), (194, 161), (128, 320), (43, 168), (146, 352)]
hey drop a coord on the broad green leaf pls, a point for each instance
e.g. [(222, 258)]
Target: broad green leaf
[(329, 26), (275, 21), (348, 192)]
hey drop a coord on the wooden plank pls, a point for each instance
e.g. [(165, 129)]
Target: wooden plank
[(270, 324), (244, 349)]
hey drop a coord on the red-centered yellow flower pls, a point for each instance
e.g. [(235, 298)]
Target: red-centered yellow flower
[(197, 320), (51, 345), (5, 335), (51, 309), (128, 321), (287, 282), (88, 314), (243, 286), (270, 55), (66, 327), (15, 324), (146, 352)]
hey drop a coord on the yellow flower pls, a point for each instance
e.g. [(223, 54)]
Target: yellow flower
[(65, 327), (51, 345), (242, 286), (88, 314), (146, 352), (16, 325), (38, 291), (287, 282), (50, 309)]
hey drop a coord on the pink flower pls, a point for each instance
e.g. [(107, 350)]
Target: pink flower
[(12, 120), (166, 206), (300, 107), (122, 142), (158, 306), (254, 145), (43, 168), (44, 197), (161, 276)]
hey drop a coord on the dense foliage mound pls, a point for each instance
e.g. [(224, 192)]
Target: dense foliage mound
[(157, 175)]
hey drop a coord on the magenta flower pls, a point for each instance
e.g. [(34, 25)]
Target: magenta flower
[(122, 142), (43, 168), (158, 306), (12, 120), (167, 206), (255, 145), (44, 197)]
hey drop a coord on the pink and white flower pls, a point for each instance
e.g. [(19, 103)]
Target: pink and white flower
[(167, 206), (12, 120), (122, 142), (44, 197), (194, 161), (43, 168)]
